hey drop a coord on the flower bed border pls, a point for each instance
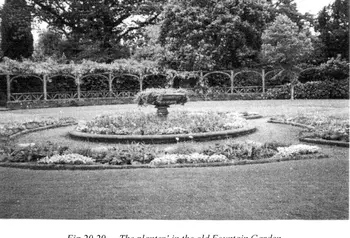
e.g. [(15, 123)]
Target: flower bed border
[(291, 123), (35, 166), (312, 140), (252, 117), (160, 139), (37, 129), (324, 142)]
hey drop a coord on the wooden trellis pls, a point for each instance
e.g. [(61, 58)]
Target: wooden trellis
[(77, 93)]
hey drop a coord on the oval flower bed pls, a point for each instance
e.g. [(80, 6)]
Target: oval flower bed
[(149, 128), (322, 130), (12, 129), (227, 152)]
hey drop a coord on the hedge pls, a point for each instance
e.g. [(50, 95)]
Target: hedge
[(328, 89)]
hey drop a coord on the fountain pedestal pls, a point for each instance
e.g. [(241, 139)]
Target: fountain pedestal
[(165, 101)]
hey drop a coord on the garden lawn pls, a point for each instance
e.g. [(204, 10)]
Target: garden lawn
[(309, 189)]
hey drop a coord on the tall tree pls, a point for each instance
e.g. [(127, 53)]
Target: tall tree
[(289, 8), (333, 26), (17, 39), (206, 34), (285, 45), (107, 22)]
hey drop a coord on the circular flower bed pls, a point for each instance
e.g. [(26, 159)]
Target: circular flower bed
[(178, 122), (320, 129), (12, 129), (227, 152)]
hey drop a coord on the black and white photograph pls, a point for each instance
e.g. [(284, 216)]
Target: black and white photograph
[(174, 118)]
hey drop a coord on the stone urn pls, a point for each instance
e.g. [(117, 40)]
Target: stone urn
[(165, 100)]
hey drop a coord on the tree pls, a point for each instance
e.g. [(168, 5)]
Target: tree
[(333, 26), (95, 23), (284, 45), (207, 34), (289, 8), (49, 44), (17, 39), (145, 45)]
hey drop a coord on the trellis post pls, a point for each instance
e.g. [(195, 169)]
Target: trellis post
[(8, 82), (231, 78), (110, 84), (45, 87), (77, 80), (201, 77), (141, 82), (263, 80)]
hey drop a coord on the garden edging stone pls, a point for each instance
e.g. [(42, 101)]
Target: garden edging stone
[(325, 142), (158, 139), (291, 123), (40, 129)]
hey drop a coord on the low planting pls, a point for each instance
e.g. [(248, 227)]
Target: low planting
[(327, 128), (178, 122), (227, 151)]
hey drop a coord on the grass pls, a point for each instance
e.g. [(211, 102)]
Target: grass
[(310, 189)]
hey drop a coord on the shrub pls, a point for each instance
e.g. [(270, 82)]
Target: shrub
[(333, 69), (242, 150), (329, 89), (33, 152)]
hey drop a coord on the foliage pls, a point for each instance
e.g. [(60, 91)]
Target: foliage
[(328, 89), (67, 159), (146, 46), (212, 34), (178, 122), (333, 25), (96, 24), (224, 151), (297, 149), (247, 150), (284, 44), (53, 67), (289, 9), (333, 69), (153, 96), (49, 44), (32, 152), (16, 36), (187, 159)]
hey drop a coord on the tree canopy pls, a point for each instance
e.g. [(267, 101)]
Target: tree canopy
[(101, 24), (284, 44), (16, 36), (205, 34), (333, 26)]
